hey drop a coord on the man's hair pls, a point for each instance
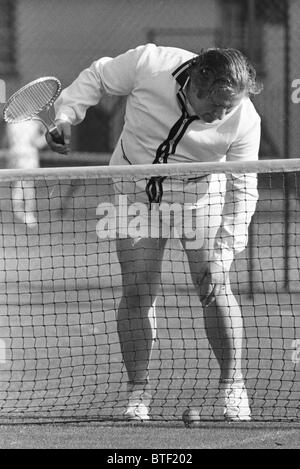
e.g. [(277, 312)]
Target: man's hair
[(226, 69)]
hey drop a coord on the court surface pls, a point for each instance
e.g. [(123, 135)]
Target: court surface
[(157, 436)]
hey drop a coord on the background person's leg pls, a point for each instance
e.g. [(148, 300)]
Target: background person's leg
[(24, 201)]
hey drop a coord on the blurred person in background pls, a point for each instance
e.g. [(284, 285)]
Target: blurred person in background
[(24, 141)]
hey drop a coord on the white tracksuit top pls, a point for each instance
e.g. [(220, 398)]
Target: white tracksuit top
[(161, 127)]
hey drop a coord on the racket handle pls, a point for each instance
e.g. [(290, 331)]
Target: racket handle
[(56, 136)]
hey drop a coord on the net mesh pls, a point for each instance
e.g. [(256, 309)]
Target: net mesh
[(31, 100), (61, 288)]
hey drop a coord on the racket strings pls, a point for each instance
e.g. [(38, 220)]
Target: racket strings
[(31, 100)]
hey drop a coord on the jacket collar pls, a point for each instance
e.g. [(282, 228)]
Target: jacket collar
[(182, 77), (181, 74)]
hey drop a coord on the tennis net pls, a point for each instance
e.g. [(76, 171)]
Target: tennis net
[(61, 287)]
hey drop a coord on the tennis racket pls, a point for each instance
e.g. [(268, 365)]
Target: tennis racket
[(34, 101)]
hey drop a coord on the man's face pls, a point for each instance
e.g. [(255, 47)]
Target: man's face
[(215, 106)]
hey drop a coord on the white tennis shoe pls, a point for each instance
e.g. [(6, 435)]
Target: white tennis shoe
[(236, 404), (138, 404), (138, 412)]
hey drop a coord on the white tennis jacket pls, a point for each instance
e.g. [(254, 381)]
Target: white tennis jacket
[(160, 127)]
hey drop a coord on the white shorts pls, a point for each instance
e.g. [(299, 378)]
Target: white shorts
[(189, 210)]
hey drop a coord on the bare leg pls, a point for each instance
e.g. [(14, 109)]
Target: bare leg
[(140, 267), (223, 320)]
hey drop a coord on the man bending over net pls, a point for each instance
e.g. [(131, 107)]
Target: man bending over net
[(181, 107)]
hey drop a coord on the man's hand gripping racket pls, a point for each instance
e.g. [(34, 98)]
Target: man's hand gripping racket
[(35, 101)]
